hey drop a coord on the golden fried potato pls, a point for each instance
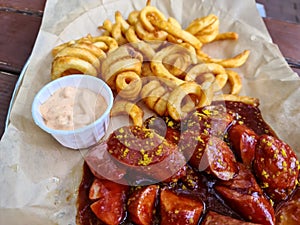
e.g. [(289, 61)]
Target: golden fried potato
[(124, 107), (158, 68), (80, 53), (220, 76), (123, 59), (176, 78), (233, 62), (128, 85), (150, 11), (200, 24), (66, 65), (177, 96), (176, 32), (235, 82)]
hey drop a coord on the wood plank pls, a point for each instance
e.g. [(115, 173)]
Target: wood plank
[(287, 10), (286, 36), (36, 6), (297, 70), (7, 85), (18, 35)]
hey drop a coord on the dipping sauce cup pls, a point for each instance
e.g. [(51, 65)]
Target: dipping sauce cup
[(87, 135)]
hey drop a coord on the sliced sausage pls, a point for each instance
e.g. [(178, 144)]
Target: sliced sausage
[(103, 165), (244, 195), (276, 167), (141, 205), (213, 218), (179, 210), (289, 212), (243, 141), (220, 158), (144, 151), (110, 207)]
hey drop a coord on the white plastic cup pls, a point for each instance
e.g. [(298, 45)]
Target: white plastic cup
[(83, 137)]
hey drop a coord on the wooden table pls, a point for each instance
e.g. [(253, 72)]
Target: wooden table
[(20, 21)]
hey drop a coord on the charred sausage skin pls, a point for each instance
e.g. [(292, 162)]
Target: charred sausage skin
[(276, 167)]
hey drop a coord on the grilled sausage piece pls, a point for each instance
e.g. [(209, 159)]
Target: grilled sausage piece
[(276, 167), (289, 212), (144, 151), (213, 218), (221, 159), (243, 141), (103, 165), (110, 206), (165, 127), (179, 210), (141, 205), (244, 195), (212, 155)]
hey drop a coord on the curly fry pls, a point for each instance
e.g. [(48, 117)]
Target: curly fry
[(199, 24), (149, 36), (206, 38), (60, 47), (119, 19), (80, 53), (116, 33), (226, 36), (98, 52), (123, 52), (176, 32), (131, 35), (163, 73), (133, 17), (178, 94), (157, 63), (236, 61), (144, 48), (155, 95), (213, 27), (124, 107), (146, 70), (118, 67), (176, 64), (235, 82), (101, 45), (200, 69), (128, 85), (233, 62), (170, 37), (147, 88), (160, 106), (150, 11), (62, 64), (208, 94), (109, 41), (122, 59), (106, 25), (205, 79)]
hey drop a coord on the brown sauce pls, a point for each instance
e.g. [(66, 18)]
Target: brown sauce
[(85, 216), (204, 193), (202, 185)]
